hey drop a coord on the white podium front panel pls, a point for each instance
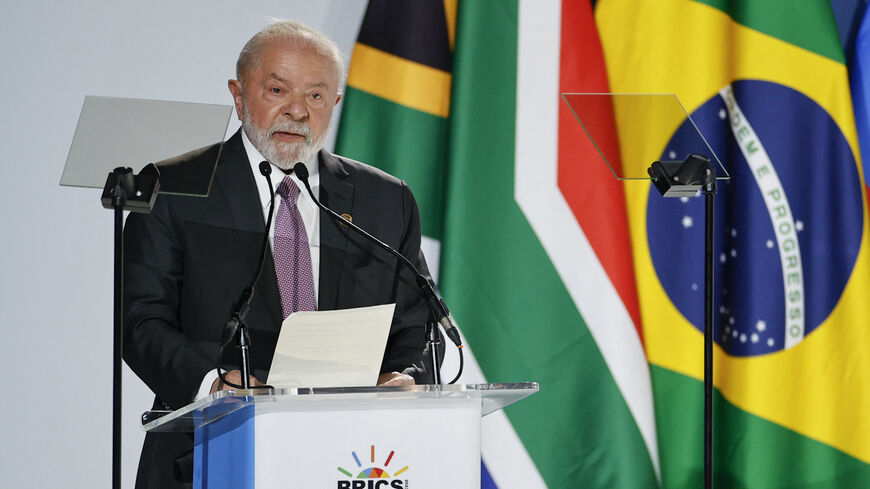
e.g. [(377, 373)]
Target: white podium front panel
[(418, 447), (348, 438)]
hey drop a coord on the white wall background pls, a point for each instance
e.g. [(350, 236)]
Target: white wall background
[(56, 242)]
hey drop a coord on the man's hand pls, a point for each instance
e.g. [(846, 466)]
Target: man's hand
[(234, 376), (395, 378)]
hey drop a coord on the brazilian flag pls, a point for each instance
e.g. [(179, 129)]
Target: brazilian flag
[(766, 82)]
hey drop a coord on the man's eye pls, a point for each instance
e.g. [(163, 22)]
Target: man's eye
[(316, 96), (276, 90)]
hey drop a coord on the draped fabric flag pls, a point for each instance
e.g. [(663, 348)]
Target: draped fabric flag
[(771, 94), (559, 274), (521, 319), (535, 263), (397, 100)]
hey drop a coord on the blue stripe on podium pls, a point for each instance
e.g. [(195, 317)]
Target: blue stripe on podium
[(486, 481), (224, 450)]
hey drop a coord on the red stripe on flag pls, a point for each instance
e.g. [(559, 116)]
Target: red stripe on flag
[(592, 192)]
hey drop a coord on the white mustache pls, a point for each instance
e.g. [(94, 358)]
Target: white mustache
[(300, 128)]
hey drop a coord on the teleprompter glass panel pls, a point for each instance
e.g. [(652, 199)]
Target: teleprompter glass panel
[(631, 131), (114, 132)]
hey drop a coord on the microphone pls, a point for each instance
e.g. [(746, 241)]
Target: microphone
[(266, 170), (436, 304), (240, 309)]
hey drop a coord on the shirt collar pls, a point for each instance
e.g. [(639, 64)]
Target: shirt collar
[(254, 158)]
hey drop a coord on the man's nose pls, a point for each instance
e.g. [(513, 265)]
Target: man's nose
[(296, 109)]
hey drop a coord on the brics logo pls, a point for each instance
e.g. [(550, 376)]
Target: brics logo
[(372, 477)]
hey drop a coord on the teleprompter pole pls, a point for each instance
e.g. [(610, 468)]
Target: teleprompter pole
[(122, 184), (685, 179), (123, 191), (709, 202)]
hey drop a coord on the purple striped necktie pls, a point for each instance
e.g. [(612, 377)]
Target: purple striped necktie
[(292, 255)]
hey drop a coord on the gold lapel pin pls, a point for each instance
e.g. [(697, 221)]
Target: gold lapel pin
[(347, 217)]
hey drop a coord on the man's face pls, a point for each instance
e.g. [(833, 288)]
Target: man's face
[(286, 102)]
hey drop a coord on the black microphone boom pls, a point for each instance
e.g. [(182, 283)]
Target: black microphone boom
[(439, 308), (240, 310)]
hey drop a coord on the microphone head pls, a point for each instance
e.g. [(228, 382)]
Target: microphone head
[(301, 171), (265, 168)]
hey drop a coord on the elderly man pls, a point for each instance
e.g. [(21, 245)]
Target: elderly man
[(187, 261)]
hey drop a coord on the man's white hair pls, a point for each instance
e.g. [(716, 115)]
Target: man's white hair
[(293, 31)]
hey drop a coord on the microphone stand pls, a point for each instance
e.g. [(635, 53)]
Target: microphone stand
[(238, 329), (436, 304), (433, 343), (237, 324)]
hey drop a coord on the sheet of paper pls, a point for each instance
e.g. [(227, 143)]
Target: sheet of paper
[(341, 348)]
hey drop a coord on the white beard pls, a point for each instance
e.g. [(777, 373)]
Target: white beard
[(281, 154)]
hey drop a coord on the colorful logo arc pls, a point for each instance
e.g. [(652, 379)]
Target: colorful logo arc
[(372, 472)]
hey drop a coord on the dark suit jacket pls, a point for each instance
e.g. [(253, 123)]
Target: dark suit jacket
[(186, 263)]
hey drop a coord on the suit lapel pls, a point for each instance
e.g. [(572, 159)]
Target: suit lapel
[(236, 183), (336, 192)]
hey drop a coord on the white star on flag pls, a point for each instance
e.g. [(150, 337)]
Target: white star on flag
[(687, 222)]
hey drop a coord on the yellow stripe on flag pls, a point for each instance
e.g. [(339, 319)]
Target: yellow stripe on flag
[(688, 62), (450, 7), (399, 80)]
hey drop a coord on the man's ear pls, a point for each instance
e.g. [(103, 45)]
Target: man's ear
[(338, 99), (235, 87)]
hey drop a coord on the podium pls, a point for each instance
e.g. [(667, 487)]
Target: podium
[(420, 437)]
